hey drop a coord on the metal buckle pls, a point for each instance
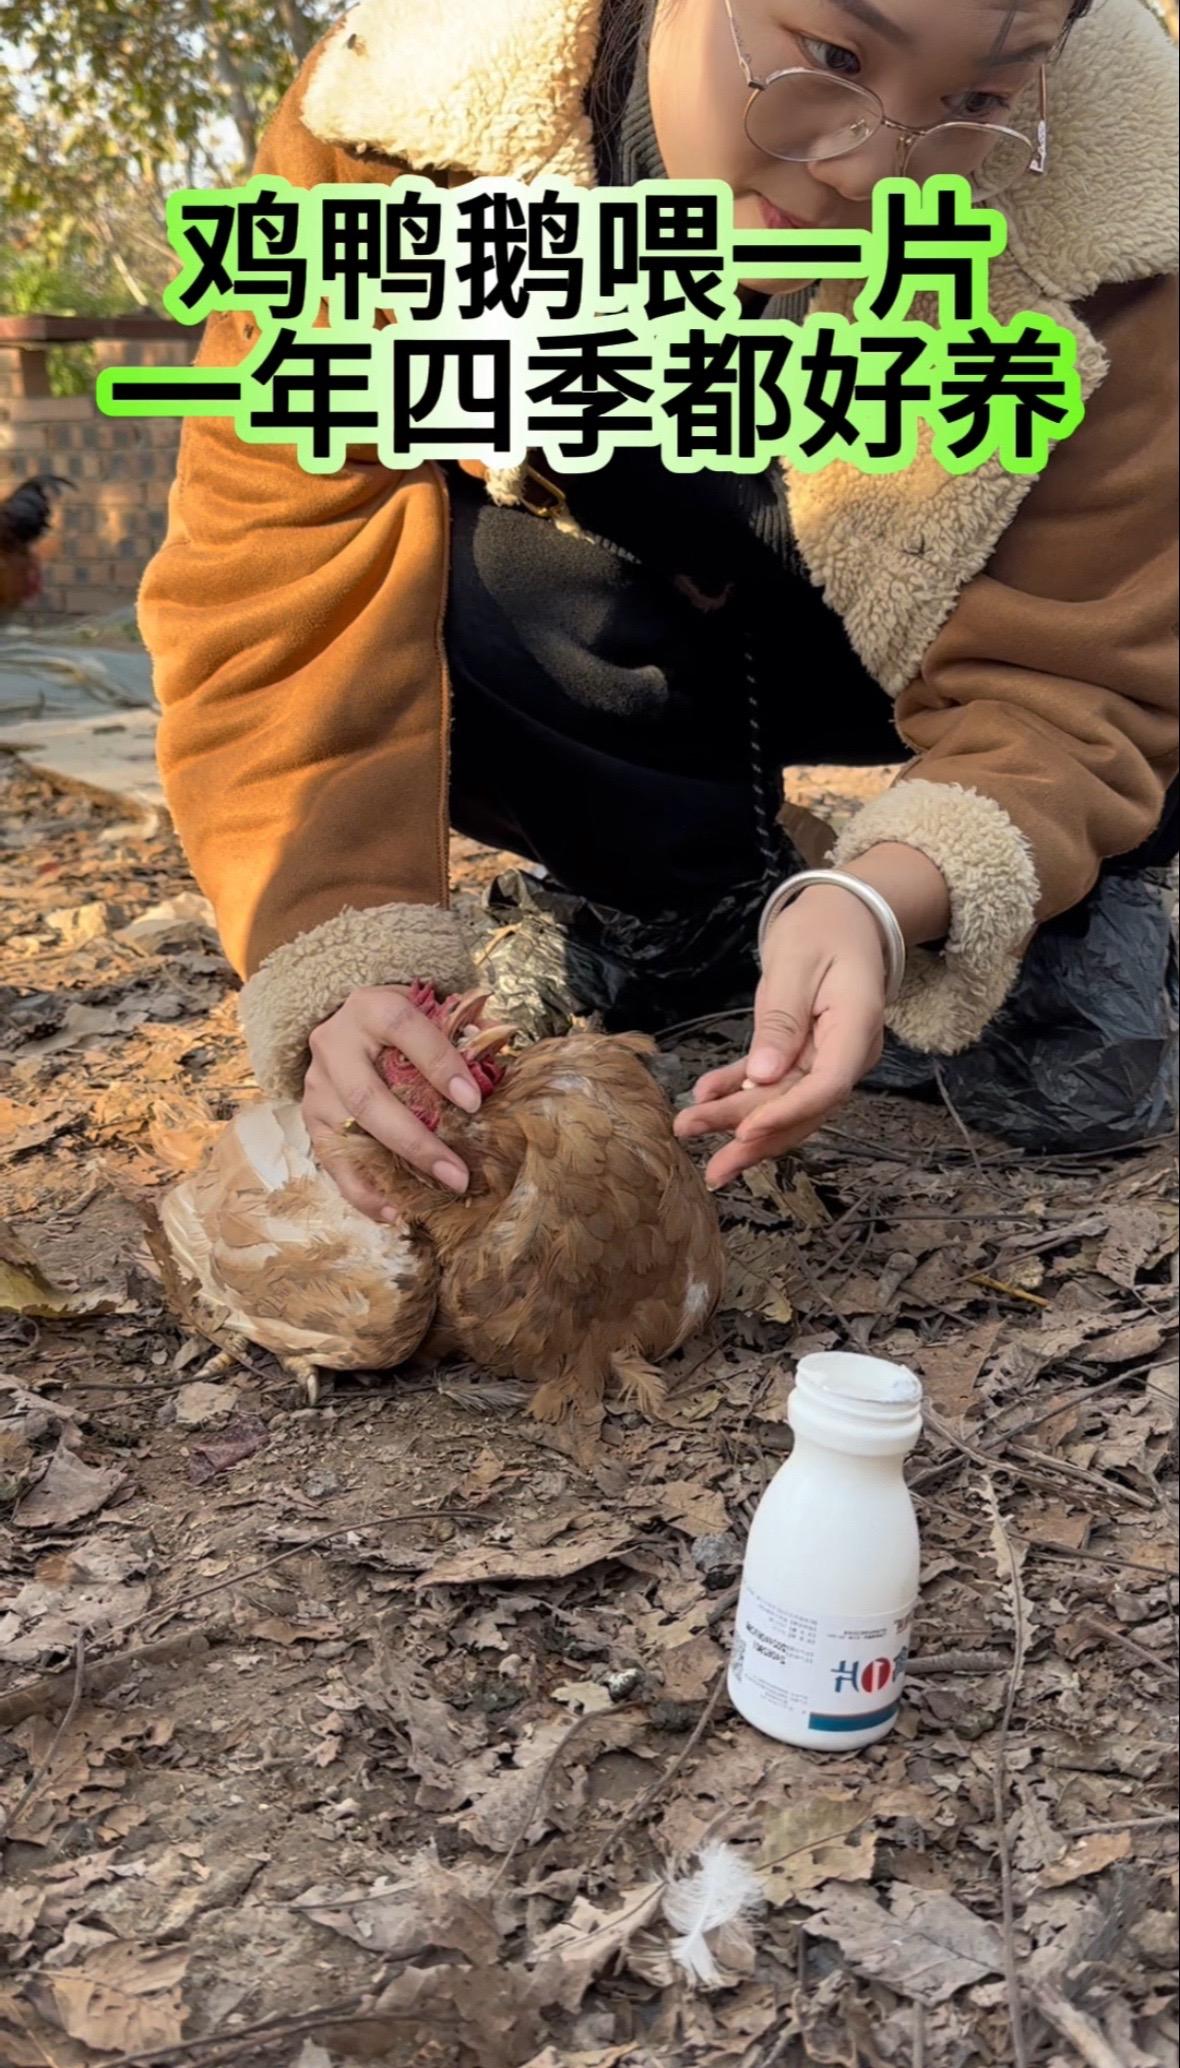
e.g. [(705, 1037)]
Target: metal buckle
[(551, 489)]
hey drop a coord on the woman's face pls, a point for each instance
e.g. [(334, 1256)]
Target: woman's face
[(964, 60)]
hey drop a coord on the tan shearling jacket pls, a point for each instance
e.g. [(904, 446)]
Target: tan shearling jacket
[(1025, 628)]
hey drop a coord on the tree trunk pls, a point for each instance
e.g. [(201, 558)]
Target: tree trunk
[(300, 33)]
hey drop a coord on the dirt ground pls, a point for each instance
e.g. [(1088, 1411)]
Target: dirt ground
[(376, 1731)]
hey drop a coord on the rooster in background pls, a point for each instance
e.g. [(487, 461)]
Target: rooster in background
[(585, 1247), (25, 516)]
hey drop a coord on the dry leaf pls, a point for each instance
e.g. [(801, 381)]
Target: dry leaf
[(80, 1024), (75, 924), (20, 1909), (24, 1287), (238, 1440), (1127, 1345), (583, 1944), (1053, 1523), (182, 917), (546, 1783), (1089, 1856), (430, 1907), (68, 1490), (201, 1401), (754, 1284), (481, 1478), (824, 1836), (583, 1695), (124, 1999), (440, 1744), (42, 1619), (926, 1945), (554, 1561), (799, 1201), (949, 1371), (1133, 1234), (277, 1630), (698, 1510), (690, 1669)]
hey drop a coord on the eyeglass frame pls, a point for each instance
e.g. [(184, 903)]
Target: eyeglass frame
[(908, 137)]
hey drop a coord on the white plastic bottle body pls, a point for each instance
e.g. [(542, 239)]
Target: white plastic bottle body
[(829, 1584)]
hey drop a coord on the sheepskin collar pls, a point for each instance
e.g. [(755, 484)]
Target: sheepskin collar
[(503, 94), (498, 87)]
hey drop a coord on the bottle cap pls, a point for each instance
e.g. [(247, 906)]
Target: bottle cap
[(864, 1405)]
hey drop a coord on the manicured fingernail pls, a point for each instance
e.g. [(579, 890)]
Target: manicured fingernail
[(451, 1174), (767, 1064), (464, 1094)]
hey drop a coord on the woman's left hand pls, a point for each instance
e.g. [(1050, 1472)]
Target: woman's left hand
[(819, 1024)]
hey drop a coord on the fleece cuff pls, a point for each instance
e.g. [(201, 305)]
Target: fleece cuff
[(305, 980), (947, 999)]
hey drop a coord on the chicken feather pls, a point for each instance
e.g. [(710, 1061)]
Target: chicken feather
[(277, 1254), (585, 1249)]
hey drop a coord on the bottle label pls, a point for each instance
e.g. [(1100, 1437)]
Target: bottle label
[(823, 1673)]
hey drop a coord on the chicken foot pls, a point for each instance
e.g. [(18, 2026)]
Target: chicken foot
[(640, 1387)]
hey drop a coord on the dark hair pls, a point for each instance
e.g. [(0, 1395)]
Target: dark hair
[(618, 36)]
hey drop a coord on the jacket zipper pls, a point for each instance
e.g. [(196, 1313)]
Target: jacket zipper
[(443, 813)]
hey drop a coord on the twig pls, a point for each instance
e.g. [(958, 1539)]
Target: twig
[(1102, 1628), (662, 1780), (723, 1602), (38, 1776), (957, 1117), (338, 1529), (815, 1845), (1000, 1776), (537, 1796), (1155, 1823), (778, 2046), (42, 1694), (956, 1662), (1136, 1565), (991, 1462), (47, 1693), (705, 1019), (1068, 1470), (1011, 1292), (1081, 1396), (918, 2053), (223, 2047), (1073, 2025)]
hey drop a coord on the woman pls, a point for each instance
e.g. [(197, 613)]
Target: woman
[(599, 673)]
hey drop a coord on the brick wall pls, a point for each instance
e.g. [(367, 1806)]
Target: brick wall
[(107, 528)]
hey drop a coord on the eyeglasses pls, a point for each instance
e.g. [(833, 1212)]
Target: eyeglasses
[(805, 116)]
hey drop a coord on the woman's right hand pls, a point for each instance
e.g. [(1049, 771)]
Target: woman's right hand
[(343, 1083)]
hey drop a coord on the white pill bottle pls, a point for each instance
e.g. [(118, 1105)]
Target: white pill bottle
[(830, 1579)]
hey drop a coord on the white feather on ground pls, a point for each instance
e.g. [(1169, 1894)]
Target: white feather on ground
[(722, 1891)]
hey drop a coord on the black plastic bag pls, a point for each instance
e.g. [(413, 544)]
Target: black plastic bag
[(1081, 1056), (555, 956)]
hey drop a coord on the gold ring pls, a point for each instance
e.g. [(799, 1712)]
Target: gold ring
[(349, 1126)]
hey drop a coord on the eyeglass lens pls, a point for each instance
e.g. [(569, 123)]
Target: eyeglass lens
[(812, 116)]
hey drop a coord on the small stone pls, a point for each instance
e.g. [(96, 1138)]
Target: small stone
[(719, 1553)]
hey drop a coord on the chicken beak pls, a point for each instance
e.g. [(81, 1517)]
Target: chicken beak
[(487, 1041), (463, 1011)]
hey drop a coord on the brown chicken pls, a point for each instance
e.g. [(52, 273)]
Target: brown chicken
[(585, 1247), (25, 516)]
